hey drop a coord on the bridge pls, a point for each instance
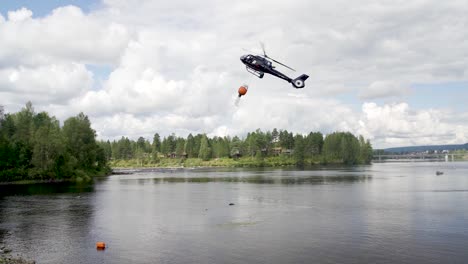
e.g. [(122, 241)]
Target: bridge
[(417, 157)]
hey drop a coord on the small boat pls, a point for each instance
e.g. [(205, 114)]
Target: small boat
[(439, 172)]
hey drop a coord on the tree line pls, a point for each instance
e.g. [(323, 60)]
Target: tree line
[(338, 147), (33, 146)]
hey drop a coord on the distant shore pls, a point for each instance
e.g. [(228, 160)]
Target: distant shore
[(244, 162), (169, 163)]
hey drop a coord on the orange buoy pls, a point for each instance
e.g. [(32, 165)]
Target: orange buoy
[(100, 245), (243, 90)]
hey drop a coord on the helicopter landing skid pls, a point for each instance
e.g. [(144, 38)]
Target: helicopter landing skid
[(255, 72)]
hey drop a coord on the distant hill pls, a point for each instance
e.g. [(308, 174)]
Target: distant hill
[(424, 148)]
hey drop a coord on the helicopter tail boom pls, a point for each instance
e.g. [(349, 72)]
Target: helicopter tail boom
[(299, 82)]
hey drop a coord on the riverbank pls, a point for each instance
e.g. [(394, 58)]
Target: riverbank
[(5, 257), (77, 176), (245, 162), (51, 181), (10, 260)]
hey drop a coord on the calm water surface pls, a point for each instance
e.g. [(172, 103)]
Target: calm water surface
[(383, 213)]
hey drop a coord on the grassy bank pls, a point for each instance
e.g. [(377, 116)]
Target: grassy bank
[(253, 162)]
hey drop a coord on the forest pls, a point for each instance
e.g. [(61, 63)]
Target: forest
[(34, 146), (257, 148)]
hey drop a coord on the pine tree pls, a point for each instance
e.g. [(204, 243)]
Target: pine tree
[(205, 149)]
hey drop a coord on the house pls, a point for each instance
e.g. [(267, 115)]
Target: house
[(276, 151)]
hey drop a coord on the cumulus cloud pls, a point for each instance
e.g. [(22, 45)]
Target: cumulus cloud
[(174, 66), (19, 15), (54, 83), (398, 125), (383, 89), (67, 34)]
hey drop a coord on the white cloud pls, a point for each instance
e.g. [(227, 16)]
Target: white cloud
[(175, 66), (19, 15), (399, 125), (383, 89), (66, 34), (54, 83)]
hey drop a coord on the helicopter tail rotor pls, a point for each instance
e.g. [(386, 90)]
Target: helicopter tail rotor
[(299, 82)]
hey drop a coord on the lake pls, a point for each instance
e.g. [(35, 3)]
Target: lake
[(381, 213)]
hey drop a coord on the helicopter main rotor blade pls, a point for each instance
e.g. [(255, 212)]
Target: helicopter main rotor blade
[(281, 63), (263, 48), (253, 52), (266, 56)]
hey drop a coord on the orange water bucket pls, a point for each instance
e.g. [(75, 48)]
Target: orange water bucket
[(243, 90), (100, 245)]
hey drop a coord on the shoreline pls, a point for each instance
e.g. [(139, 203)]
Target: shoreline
[(127, 171), (15, 260), (7, 258), (21, 182)]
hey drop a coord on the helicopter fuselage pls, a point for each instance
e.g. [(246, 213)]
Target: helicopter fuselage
[(258, 65)]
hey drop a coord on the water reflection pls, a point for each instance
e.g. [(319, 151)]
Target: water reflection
[(257, 180), (45, 188), (39, 218), (371, 214)]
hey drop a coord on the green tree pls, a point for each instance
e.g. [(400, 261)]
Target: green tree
[(190, 147), (141, 144), (220, 147), (299, 150), (286, 139), (107, 147), (314, 144), (23, 136), (47, 147), (341, 147), (2, 115), (168, 144), (180, 146), (122, 149), (235, 147), (197, 143), (8, 157), (275, 135), (156, 143), (350, 149), (81, 146), (205, 149), (34, 146), (365, 150)]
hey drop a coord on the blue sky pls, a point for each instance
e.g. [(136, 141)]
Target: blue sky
[(440, 95), (42, 8), (445, 95)]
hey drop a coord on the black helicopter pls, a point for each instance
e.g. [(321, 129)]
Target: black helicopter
[(258, 65)]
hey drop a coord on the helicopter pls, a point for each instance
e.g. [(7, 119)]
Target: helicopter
[(258, 65)]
